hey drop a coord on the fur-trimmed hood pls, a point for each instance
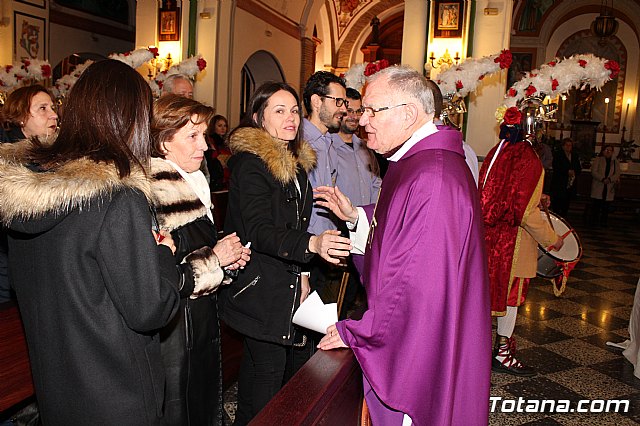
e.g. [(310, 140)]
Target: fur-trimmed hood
[(175, 201), (279, 160), (27, 194)]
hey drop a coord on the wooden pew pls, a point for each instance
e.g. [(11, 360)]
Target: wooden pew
[(327, 390), (15, 374)]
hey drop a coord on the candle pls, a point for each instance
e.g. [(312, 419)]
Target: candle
[(606, 110), (563, 98), (626, 114)]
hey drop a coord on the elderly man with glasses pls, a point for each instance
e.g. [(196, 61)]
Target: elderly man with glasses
[(424, 342)]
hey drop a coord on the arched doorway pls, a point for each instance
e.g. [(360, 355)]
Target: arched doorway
[(260, 67)]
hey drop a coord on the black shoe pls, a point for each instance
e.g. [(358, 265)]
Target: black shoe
[(506, 347)]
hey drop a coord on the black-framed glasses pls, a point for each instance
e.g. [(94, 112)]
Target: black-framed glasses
[(357, 112), (339, 101), (372, 111)]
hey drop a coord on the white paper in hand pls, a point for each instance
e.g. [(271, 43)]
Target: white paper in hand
[(315, 315)]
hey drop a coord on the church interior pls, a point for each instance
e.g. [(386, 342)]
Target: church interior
[(230, 47)]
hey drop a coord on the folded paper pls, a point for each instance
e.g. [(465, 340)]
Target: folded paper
[(315, 315)]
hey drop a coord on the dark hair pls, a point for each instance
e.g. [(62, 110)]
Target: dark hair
[(258, 103), (353, 94), (170, 114), (16, 107), (106, 119), (212, 123), (318, 84), (438, 100)]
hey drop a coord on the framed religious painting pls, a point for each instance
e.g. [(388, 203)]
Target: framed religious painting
[(169, 25), (523, 62), (448, 18), (30, 36), (38, 3)]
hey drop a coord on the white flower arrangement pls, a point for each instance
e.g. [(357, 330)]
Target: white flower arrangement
[(561, 75), (65, 83), (135, 58), (354, 77), (28, 70), (464, 78), (189, 67)]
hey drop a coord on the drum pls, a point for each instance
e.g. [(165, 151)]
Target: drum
[(548, 266)]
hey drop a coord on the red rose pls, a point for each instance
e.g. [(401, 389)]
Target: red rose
[(530, 90), (504, 59), (512, 116), (459, 85), (126, 54), (554, 84), (154, 50), (512, 92), (481, 77), (202, 64), (383, 63), (370, 69), (582, 63), (160, 84), (614, 67), (552, 64), (26, 62), (8, 68), (46, 70), (532, 74)]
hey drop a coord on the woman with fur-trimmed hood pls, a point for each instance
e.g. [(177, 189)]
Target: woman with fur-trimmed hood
[(269, 205), (92, 285), (182, 201)]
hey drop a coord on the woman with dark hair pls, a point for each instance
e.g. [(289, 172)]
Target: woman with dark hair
[(92, 284), (605, 172), (28, 112), (218, 153), (191, 342), (269, 205)]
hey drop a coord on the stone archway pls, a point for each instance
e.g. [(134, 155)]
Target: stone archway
[(261, 66)]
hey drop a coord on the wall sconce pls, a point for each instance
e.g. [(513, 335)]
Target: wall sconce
[(444, 59)]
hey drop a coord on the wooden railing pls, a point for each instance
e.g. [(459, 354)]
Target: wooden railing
[(15, 373), (326, 391)]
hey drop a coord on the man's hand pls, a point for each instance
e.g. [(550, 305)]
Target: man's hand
[(331, 340), (333, 199)]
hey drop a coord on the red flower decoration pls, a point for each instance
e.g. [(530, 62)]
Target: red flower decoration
[(370, 69), (582, 63), (554, 84), (532, 74), (481, 77), (530, 90), (154, 50), (512, 92), (126, 54), (552, 63), (8, 68), (160, 84), (512, 116), (26, 62), (459, 85), (504, 59), (382, 64), (614, 67), (202, 64), (46, 70)]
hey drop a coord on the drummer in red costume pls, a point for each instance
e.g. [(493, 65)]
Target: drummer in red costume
[(510, 193)]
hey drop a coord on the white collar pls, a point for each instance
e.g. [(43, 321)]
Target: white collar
[(427, 129)]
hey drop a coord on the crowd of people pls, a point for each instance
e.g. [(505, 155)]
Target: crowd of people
[(122, 276)]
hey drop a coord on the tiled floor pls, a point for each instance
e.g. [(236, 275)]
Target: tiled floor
[(564, 337)]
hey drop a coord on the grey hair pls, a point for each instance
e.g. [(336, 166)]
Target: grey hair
[(404, 80), (167, 85)]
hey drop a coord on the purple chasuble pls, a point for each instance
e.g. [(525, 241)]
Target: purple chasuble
[(424, 344)]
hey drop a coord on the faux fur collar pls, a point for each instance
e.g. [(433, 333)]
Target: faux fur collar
[(175, 201), (26, 194), (279, 160)]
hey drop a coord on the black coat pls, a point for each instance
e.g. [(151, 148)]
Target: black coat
[(266, 209), (560, 177), (92, 288), (191, 342)]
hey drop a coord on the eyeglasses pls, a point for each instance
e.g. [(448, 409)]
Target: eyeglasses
[(372, 111), (339, 101), (357, 112)]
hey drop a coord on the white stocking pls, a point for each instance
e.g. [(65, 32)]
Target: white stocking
[(507, 323)]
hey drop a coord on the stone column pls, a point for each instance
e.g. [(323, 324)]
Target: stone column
[(415, 32)]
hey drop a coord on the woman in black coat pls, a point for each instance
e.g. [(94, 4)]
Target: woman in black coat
[(564, 181), (269, 205), (181, 197), (92, 286)]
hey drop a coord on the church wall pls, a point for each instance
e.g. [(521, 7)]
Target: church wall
[(491, 35)]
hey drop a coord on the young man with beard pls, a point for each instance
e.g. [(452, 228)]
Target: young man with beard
[(356, 176), (325, 101)]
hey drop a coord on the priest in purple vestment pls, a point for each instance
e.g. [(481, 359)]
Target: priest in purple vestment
[(424, 344)]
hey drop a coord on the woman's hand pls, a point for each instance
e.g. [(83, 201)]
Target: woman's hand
[(331, 340), (245, 257), (229, 250), (333, 199), (306, 288), (164, 238), (330, 246)]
